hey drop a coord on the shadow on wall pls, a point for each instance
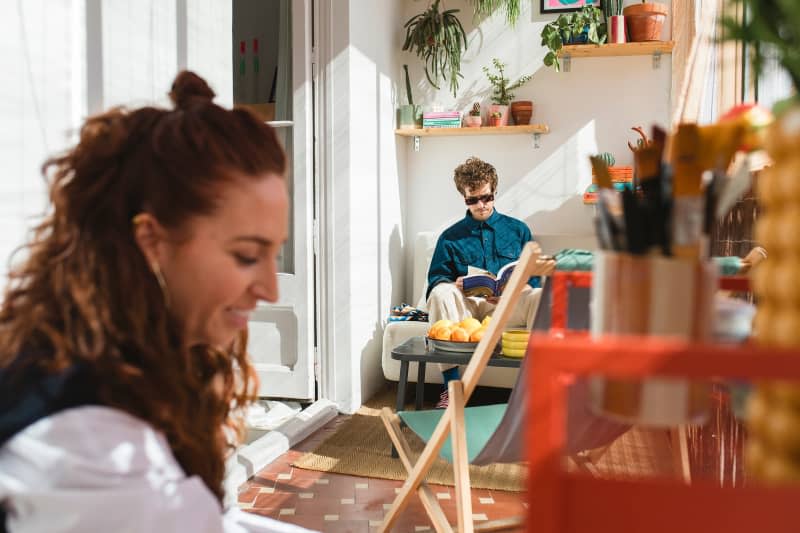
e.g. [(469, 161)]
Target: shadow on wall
[(527, 185), (370, 368), (553, 241), (397, 253)]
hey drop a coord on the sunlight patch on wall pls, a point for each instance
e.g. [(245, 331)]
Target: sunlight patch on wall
[(548, 196)]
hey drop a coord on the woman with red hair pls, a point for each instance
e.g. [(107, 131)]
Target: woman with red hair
[(122, 334)]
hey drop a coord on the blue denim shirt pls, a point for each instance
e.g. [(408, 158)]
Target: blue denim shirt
[(489, 244)]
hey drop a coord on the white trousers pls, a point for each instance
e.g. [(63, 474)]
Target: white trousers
[(448, 302)]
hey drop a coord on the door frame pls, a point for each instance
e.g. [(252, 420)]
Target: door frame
[(297, 286), (331, 29)]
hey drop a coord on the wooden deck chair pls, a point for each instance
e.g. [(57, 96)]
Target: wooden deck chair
[(499, 428)]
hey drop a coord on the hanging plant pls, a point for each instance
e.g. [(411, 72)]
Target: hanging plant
[(439, 39), (487, 7)]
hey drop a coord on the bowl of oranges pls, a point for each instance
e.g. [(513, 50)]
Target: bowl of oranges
[(450, 336)]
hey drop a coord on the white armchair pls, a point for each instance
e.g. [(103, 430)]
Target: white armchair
[(396, 333)]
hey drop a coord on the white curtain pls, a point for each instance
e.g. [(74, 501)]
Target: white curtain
[(42, 98), (48, 80), (139, 51)]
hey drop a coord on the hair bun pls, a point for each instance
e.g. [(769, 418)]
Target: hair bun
[(189, 88)]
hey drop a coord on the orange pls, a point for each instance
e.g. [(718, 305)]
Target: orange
[(477, 335), (442, 334), (470, 324), (459, 335), (442, 323)]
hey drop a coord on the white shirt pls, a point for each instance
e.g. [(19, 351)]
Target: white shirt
[(99, 469)]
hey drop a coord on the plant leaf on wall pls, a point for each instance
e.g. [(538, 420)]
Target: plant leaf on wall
[(488, 7)]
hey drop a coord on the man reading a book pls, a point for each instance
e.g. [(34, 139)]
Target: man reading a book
[(483, 239)]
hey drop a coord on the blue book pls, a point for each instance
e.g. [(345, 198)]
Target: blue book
[(485, 284)]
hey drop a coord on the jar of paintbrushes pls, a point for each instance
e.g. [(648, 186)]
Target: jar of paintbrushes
[(653, 275)]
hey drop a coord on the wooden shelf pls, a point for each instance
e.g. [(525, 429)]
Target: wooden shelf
[(623, 49), (484, 130)]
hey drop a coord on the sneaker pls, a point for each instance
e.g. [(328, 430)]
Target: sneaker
[(444, 400)]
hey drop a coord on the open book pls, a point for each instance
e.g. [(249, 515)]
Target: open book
[(481, 283)]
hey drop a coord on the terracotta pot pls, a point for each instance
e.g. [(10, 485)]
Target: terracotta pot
[(472, 121), (503, 118), (521, 111), (645, 21)]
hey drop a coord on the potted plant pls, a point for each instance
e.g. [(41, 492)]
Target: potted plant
[(496, 118), (645, 21), (615, 21), (439, 39), (409, 116), (584, 26), (502, 90), (487, 7), (473, 118)]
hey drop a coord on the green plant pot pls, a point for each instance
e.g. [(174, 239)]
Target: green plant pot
[(409, 117)]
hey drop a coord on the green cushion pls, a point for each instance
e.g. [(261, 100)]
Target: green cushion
[(729, 265), (575, 260), (481, 422)]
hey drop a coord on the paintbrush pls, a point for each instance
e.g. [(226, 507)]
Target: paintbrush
[(609, 205), (687, 193)]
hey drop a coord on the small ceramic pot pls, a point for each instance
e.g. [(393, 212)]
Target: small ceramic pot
[(521, 111), (472, 121), (409, 117), (645, 21), (616, 30), (502, 110)]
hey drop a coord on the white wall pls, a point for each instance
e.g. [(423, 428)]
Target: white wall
[(589, 110), (366, 190)]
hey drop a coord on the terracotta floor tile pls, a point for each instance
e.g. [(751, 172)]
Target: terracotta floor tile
[(346, 526), (271, 513), (301, 484), (371, 495), (315, 523), (249, 494), (276, 499)]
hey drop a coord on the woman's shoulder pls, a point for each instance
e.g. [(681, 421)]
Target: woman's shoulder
[(97, 444)]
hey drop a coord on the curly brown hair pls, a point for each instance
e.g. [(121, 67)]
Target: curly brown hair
[(86, 296), (473, 174)]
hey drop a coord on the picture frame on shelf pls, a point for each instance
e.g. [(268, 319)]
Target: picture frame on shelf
[(564, 6)]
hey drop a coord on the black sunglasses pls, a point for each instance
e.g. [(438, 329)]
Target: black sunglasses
[(485, 198)]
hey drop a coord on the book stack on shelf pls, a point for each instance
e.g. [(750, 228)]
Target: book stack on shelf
[(441, 119), (621, 178)]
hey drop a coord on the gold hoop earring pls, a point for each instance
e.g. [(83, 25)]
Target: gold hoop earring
[(161, 283)]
